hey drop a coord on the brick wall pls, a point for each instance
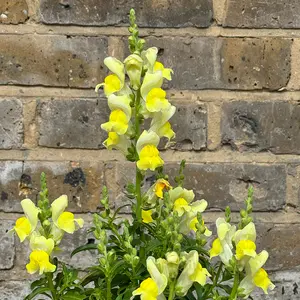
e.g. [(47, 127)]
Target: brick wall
[(237, 91)]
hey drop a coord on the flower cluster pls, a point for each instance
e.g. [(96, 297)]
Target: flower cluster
[(130, 102), (242, 242), (44, 228)]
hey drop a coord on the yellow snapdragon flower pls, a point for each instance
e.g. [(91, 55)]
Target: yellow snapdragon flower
[(159, 186), (114, 82), (39, 261), (149, 57), (147, 216), (64, 220), (115, 141), (152, 288), (146, 146), (192, 272), (222, 246), (38, 242), (156, 100), (134, 66), (256, 276), (118, 122), (149, 158), (26, 225), (167, 73)]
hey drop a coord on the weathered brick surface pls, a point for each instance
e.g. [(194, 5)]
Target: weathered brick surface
[(151, 13), (11, 124), (255, 63), (7, 246), (72, 123), (10, 174), (233, 63), (282, 242), (261, 126), (221, 184), (52, 60), (16, 290), (13, 12), (262, 14), (81, 182), (190, 124)]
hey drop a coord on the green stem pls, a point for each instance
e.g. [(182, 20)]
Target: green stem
[(236, 282), (49, 276), (172, 290), (138, 179), (108, 288)]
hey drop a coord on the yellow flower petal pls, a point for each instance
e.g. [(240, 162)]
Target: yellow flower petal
[(158, 66), (118, 122), (41, 243), (262, 280), (245, 248), (151, 81), (148, 290), (66, 222), (200, 275), (39, 261), (147, 216), (156, 100), (147, 138), (22, 228), (149, 158), (134, 66), (112, 84), (216, 248), (58, 206), (160, 185), (181, 206), (31, 212)]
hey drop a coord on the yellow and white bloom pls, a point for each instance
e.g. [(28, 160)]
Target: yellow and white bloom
[(245, 244), (134, 66), (149, 57), (150, 82), (147, 216), (118, 122), (62, 219), (39, 261), (222, 246), (160, 123), (192, 272), (38, 242), (119, 142), (26, 225), (156, 191), (115, 82), (167, 73), (256, 276), (152, 288), (156, 100), (146, 146)]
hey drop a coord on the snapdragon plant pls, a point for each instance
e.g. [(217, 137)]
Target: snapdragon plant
[(161, 251)]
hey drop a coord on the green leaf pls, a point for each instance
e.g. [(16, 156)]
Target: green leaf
[(38, 283), (72, 295), (37, 291), (84, 248)]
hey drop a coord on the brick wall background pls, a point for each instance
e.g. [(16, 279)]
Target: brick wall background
[(236, 86)]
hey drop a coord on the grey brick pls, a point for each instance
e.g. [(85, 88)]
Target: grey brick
[(72, 123), (63, 61), (7, 245), (225, 63), (10, 175), (11, 124), (14, 290), (80, 181), (150, 13), (261, 126), (262, 14)]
